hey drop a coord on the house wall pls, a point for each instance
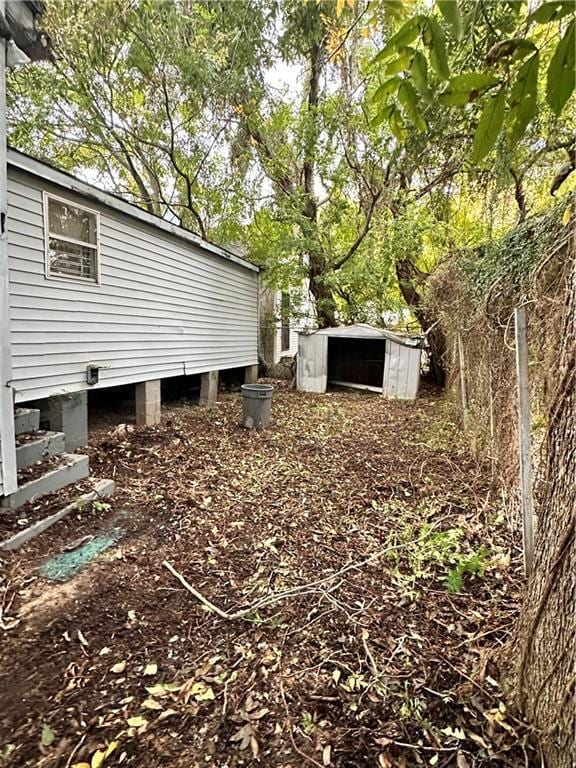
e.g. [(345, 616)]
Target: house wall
[(164, 307), (304, 319)]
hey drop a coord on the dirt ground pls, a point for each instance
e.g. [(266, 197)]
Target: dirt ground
[(375, 575)]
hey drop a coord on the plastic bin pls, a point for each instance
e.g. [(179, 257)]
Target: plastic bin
[(257, 402)]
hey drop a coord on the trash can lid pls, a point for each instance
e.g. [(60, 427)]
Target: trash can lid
[(257, 387)]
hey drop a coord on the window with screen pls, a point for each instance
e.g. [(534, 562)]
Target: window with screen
[(71, 240)]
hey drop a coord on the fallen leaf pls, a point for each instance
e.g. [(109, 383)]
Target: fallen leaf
[(197, 690), (167, 713), (111, 747), (151, 704), (137, 722), (132, 615), (461, 761), (81, 765), (98, 759), (259, 714), (327, 755), (151, 668), (104, 651), (47, 736), (157, 690), (118, 668), (82, 638), (254, 746), (243, 735)]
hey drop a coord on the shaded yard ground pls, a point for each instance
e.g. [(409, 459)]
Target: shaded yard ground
[(386, 653)]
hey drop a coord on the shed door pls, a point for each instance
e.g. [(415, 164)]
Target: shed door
[(401, 371), (312, 370)]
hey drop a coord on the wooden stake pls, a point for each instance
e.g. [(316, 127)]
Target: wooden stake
[(524, 437)]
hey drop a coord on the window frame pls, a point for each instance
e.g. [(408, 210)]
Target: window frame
[(50, 275), (285, 324)]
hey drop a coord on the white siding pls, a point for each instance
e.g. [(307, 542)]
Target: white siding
[(292, 349), (164, 306), (304, 320)]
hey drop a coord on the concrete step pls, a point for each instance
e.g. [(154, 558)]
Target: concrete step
[(39, 447), (26, 420), (102, 489), (72, 469)]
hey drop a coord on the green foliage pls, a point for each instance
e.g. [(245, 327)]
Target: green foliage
[(176, 106), (489, 125), (429, 553), (496, 38), (507, 262), (471, 565), (561, 78), (142, 96)]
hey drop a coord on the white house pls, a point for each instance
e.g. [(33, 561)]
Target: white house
[(102, 293), (283, 316)]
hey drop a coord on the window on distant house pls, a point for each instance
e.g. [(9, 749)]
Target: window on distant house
[(285, 316), (72, 246)]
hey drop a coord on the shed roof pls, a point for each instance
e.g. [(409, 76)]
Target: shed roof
[(364, 331), (49, 173)]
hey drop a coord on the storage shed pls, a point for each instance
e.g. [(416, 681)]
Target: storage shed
[(361, 357), (97, 292)]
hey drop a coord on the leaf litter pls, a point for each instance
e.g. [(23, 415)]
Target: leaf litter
[(359, 582)]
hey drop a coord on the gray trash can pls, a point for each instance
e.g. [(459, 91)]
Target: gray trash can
[(257, 401)]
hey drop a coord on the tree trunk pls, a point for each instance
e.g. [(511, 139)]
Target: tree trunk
[(409, 280), (546, 634), (323, 300)]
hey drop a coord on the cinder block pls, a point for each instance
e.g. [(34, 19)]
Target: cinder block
[(251, 374), (73, 470), (26, 420), (148, 403), (69, 414), (102, 489), (47, 444), (208, 387)]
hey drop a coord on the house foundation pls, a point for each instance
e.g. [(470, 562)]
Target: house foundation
[(69, 414), (251, 374), (148, 403), (208, 387)]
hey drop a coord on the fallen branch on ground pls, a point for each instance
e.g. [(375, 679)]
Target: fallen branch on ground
[(311, 587)]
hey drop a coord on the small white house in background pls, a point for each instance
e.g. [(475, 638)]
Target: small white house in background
[(102, 293), (283, 316), (361, 357)]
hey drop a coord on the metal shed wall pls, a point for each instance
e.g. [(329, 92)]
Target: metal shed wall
[(401, 371), (164, 307), (312, 367), (401, 378)]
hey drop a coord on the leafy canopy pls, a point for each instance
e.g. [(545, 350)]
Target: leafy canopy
[(482, 55)]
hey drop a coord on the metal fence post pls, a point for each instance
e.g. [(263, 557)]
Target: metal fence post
[(524, 437)]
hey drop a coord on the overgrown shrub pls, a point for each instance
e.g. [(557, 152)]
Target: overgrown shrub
[(474, 293)]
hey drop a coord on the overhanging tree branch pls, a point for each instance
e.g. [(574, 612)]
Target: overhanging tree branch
[(361, 235)]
